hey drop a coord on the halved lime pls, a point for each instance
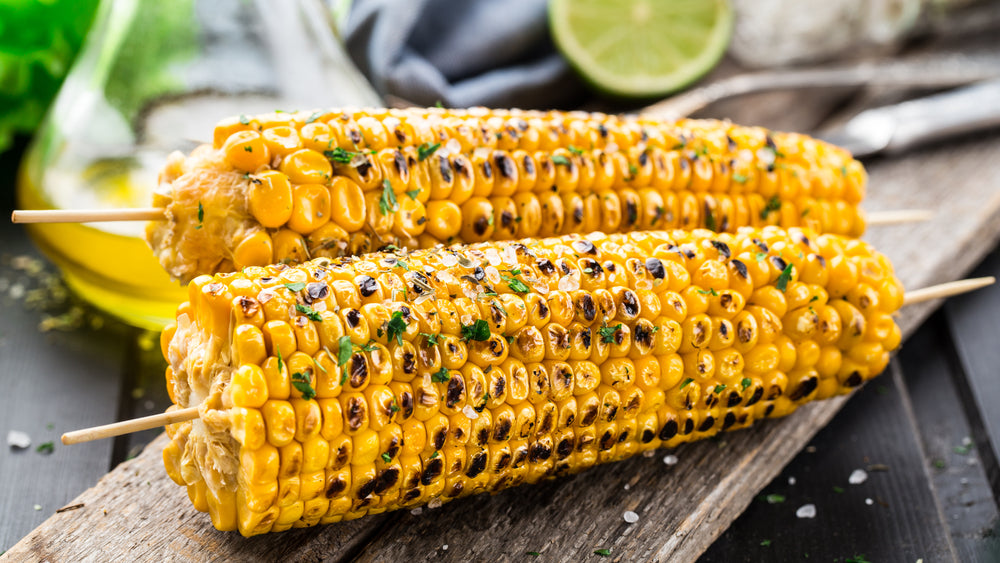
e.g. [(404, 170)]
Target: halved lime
[(641, 48)]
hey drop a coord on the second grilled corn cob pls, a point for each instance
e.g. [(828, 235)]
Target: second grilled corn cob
[(346, 387), (289, 187)]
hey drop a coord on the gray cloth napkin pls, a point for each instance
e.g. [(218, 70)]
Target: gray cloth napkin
[(495, 53)]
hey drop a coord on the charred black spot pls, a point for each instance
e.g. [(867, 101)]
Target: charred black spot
[(760, 244), (505, 164), (500, 386), (386, 480), (249, 306), (432, 470), (732, 144), (631, 212), (589, 415), (480, 225), (729, 420), (610, 266), (546, 425), (483, 436), (503, 461), (502, 430), (602, 130), (741, 269), (411, 494), (647, 436), (607, 441), (758, 393), (611, 412), (707, 424), (711, 400), (316, 291), (409, 364), (367, 489), (355, 412), (439, 437), (854, 379), (507, 219), (476, 465), (367, 285), (778, 263), (769, 410), (399, 161), (669, 430), (685, 164), (353, 317), (584, 246), (354, 135), (734, 399), (688, 426), (578, 213), (444, 165), (773, 393), (643, 334), (406, 404), (455, 391), (643, 158), (724, 324), (457, 488), (545, 266), (586, 337), (564, 448), (543, 310), (593, 266), (797, 236), (586, 306), (539, 452), (343, 452), (723, 249), (336, 487), (630, 303), (564, 267), (487, 169), (529, 165), (359, 370), (655, 268)]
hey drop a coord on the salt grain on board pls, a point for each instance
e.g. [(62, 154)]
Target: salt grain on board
[(670, 459), (806, 511), (857, 477), (18, 439), (630, 517)]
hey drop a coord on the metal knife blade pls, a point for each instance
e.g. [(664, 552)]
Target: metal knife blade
[(896, 128)]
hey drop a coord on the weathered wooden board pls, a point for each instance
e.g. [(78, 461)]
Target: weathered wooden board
[(682, 508)]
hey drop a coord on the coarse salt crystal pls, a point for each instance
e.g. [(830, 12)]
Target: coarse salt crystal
[(569, 283), (869, 501), (449, 260), (857, 477), (444, 547), (791, 480), (631, 517), (470, 412), (434, 503), (16, 291), (18, 439), (626, 486), (670, 459), (806, 511), (493, 257), (649, 453), (417, 511)]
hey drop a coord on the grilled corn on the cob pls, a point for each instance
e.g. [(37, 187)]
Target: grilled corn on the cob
[(351, 386), (293, 186)]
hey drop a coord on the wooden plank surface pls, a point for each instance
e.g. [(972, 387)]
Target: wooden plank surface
[(682, 508)]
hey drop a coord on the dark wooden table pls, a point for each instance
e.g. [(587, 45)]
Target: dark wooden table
[(926, 433)]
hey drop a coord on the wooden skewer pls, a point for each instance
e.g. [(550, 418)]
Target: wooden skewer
[(946, 290), (157, 214), (87, 215), (129, 426), (899, 216), (191, 413)]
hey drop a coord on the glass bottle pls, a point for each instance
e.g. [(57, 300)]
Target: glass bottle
[(154, 77)]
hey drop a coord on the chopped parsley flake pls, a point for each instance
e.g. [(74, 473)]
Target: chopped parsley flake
[(387, 201), (431, 339), (560, 160), (201, 213), (686, 382), (516, 285), (45, 448), (434, 455), (740, 178), (761, 256), (838, 490), (784, 278), (747, 382), (344, 356), (386, 457), (339, 155), (425, 150), (393, 407), (775, 499), (719, 388), (479, 330), (396, 327), (248, 148), (413, 193), (281, 362), (441, 376), (297, 286), (607, 333), (603, 552), (710, 220), (773, 204), (315, 115), (710, 291), (244, 119), (575, 150), (765, 543), (303, 383), (308, 311)]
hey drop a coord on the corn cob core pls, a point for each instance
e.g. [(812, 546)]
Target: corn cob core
[(352, 386), (292, 186)]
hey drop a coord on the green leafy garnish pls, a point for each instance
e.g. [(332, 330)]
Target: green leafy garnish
[(431, 339), (339, 155), (560, 160), (575, 150), (441, 376), (293, 287), (479, 330), (607, 333), (244, 120), (303, 383), (719, 388), (433, 455), (784, 278), (281, 362), (386, 457), (765, 543), (709, 291), (201, 213), (412, 194), (393, 407), (773, 204), (806, 211), (603, 552), (396, 327), (760, 256), (425, 150), (775, 499), (344, 356), (387, 202), (838, 490), (308, 312), (315, 115), (533, 553), (740, 178), (687, 381), (516, 285), (747, 382), (710, 220), (45, 448)]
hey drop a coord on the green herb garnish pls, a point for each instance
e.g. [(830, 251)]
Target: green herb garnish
[(773, 204), (719, 388), (575, 150), (709, 291), (686, 382), (740, 178), (747, 382), (775, 499), (425, 150), (412, 194), (783, 279), (603, 552), (339, 155), (396, 327), (303, 383), (710, 220), (386, 457), (765, 543), (516, 285), (607, 333), (244, 120), (387, 201), (293, 287), (45, 448), (344, 356), (281, 362), (308, 311), (560, 160), (441, 376), (479, 330), (431, 339)]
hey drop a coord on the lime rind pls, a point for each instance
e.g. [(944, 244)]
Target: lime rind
[(678, 43)]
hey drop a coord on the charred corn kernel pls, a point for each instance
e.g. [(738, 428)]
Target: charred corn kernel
[(532, 179), (354, 386)]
